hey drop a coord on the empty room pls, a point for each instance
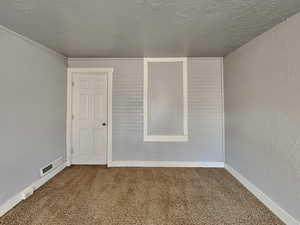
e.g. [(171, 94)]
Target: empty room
[(150, 112)]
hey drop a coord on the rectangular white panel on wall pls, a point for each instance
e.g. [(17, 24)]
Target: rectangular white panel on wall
[(165, 100)]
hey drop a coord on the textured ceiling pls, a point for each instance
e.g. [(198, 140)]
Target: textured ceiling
[(136, 28)]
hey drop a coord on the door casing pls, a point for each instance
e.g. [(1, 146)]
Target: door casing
[(109, 72)]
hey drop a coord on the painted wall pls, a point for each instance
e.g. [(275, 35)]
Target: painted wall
[(262, 111), (205, 112), (32, 115)]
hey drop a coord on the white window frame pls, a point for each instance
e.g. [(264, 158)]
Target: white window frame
[(163, 138)]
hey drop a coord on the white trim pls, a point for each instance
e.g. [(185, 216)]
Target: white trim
[(273, 206), (69, 118), (88, 69), (9, 204), (181, 59), (35, 43), (145, 110), (161, 138), (171, 138), (205, 58), (109, 72), (185, 98), (109, 117), (166, 164)]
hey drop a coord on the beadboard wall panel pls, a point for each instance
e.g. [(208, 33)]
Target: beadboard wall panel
[(205, 118)]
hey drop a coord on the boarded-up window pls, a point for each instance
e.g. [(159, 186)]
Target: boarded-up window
[(165, 100)]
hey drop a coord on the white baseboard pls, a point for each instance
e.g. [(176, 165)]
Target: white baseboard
[(273, 206), (8, 205), (165, 164)]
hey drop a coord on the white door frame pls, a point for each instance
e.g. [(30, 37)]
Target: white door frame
[(109, 72)]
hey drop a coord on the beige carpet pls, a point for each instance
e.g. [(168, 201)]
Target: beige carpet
[(86, 195)]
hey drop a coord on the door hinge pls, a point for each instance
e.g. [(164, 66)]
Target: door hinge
[(72, 150), (73, 84), (72, 116)]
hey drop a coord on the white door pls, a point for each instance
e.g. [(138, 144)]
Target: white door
[(89, 119)]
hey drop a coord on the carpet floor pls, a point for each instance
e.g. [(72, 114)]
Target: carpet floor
[(86, 195)]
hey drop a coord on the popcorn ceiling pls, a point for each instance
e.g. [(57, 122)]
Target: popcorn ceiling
[(138, 28)]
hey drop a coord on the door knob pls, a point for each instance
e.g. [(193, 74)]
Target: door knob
[(104, 124)]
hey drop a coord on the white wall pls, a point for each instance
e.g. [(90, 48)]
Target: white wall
[(32, 115), (205, 120), (262, 113)]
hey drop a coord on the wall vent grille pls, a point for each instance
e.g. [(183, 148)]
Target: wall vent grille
[(51, 166)]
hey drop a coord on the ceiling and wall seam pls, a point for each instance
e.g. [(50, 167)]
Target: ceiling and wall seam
[(258, 36), (35, 43)]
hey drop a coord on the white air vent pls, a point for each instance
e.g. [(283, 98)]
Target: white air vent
[(51, 166)]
